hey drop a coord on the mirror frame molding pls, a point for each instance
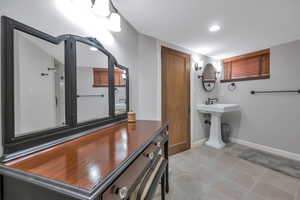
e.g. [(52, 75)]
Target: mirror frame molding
[(14, 147)]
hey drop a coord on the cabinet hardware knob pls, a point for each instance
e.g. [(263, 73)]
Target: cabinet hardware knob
[(150, 155), (157, 143), (122, 192)]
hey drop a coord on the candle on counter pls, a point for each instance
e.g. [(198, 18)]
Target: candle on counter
[(131, 117)]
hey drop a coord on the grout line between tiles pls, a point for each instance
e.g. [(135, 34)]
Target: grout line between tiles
[(255, 182), (256, 179)]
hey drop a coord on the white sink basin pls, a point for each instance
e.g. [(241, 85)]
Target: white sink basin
[(216, 111), (217, 108)]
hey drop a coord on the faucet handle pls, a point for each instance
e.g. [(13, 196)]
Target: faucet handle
[(207, 102), (212, 100)]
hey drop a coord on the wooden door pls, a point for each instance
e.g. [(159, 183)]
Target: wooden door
[(176, 98)]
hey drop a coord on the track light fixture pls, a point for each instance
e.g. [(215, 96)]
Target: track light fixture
[(102, 8)]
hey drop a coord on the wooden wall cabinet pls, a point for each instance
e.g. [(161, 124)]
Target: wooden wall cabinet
[(247, 67), (119, 81), (101, 77)]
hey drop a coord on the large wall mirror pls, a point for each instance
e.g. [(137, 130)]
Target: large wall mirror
[(121, 89), (92, 83), (54, 88), (39, 84)]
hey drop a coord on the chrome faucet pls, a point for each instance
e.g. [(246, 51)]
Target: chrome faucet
[(211, 101)]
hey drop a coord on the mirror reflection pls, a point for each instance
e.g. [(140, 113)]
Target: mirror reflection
[(39, 85), (92, 83), (209, 77), (120, 77), (209, 73)]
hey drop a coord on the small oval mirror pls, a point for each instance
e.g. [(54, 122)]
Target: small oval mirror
[(209, 77)]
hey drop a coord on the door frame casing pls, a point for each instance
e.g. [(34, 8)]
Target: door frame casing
[(163, 91)]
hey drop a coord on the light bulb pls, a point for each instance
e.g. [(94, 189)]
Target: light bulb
[(214, 28), (115, 22), (101, 8), (93, 49)]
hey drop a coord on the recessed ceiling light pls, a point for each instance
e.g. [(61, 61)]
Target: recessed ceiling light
[(214, 28), (93, 49)]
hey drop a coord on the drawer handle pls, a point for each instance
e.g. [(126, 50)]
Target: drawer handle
[(150, 155), (158, 143), (122, 192)]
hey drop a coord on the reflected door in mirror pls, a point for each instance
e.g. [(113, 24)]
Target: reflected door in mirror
[(39, 86)]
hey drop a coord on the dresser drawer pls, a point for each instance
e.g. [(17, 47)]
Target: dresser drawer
[(149, 179), (123, 185)]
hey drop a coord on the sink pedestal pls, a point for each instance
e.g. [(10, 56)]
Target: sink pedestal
[(215, 137), (216, 111)]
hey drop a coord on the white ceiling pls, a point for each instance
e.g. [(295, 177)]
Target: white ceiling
[(247, 25)]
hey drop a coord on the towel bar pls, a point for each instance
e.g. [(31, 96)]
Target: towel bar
[(275, 91)]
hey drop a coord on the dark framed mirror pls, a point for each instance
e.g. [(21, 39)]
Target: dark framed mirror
[(35, 85), (209, 77), (39, 84), (121, 90), (54, 88), (92, 83)]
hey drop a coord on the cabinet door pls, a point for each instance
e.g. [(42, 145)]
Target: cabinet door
[(119, 79), (28, 191), (100, 77)]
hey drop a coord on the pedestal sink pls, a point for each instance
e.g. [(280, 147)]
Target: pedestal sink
[(216, 111)]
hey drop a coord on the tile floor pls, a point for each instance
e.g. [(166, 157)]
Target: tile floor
[(204, 173)]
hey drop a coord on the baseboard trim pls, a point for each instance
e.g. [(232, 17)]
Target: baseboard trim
[(267, 149), (198, 143)]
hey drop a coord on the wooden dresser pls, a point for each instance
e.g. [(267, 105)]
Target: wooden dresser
[(123, 161)]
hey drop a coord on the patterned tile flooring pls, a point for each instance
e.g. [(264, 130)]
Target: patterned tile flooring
[(204, 173)]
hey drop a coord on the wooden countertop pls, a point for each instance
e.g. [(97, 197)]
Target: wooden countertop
[(87, 160)]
